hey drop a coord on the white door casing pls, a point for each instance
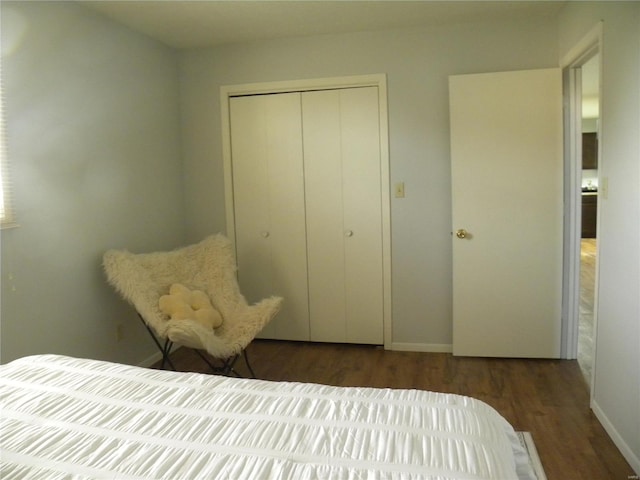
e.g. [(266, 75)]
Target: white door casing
[(377, 116)]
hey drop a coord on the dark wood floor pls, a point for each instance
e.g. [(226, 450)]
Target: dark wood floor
[(548, 398)]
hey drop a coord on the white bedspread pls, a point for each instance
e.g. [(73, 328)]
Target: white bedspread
[(70, 418)]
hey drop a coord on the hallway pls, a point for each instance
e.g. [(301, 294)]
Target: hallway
[(587, 293)]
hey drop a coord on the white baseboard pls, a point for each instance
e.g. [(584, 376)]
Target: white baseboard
[(422, 347), (149, 361), (156, 357), (626, 451)]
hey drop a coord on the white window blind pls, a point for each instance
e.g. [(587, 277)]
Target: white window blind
[(6, 212)]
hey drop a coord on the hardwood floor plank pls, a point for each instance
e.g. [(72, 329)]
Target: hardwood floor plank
[(548, 398)]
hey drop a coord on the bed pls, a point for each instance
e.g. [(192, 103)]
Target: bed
[(64, 417)]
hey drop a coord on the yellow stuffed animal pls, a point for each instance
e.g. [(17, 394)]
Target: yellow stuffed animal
[(185, 304)]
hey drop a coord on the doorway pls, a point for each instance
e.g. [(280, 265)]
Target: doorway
[(590, 114), (584, 185)]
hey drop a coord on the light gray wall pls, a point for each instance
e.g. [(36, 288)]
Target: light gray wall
[(92, 113), (92, 130), (417, 63), (616, 390)]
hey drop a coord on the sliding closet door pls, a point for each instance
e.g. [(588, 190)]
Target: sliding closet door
[(268, 194), (341, 144)]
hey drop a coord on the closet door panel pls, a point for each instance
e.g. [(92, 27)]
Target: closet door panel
[(251, 213), (325, 226), (342, 172), (362, 204), (268, 187)]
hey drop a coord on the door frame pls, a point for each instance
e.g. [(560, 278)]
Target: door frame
[(571, 64), (374, 80)]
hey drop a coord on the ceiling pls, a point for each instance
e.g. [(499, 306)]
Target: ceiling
[(184, 24), (205, 23)]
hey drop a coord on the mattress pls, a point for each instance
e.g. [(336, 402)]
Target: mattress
[(65, 417)]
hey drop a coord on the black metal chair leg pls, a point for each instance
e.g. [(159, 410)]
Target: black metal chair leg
[(165, 350), (225, 369), (246, 360), (207, 361), (227, 365), (230, 363)]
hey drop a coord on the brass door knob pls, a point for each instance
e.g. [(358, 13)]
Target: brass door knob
[(461, 233)]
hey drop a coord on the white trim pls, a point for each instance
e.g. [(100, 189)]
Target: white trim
[(227, 168), (618, 440), (423, 347), (585, 48), (588, 46), (374, 80), (303, 85), (152, 360), (385, 185), (572, 215)]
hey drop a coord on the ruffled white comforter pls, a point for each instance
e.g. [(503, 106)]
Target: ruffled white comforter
[(70, 418)]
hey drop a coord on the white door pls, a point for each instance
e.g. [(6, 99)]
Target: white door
[(268, 195), (506, 151), (344, 215)]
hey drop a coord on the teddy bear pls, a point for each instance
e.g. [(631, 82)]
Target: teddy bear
[(184, 304)]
